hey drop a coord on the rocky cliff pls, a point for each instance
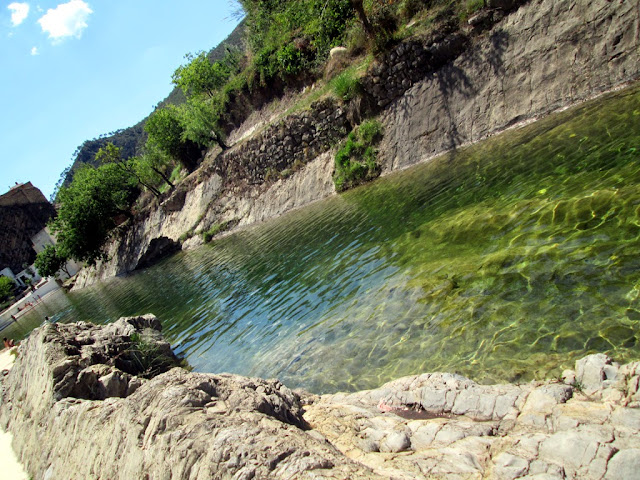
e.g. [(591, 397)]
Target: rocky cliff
[(86, 401), (432, 94)]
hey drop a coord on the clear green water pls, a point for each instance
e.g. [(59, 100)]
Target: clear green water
[(504, 261)]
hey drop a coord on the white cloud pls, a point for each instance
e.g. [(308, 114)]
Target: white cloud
[(19, 12), (66, 20), (34, 51)]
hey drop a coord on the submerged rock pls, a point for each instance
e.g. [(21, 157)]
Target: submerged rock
[(86, 401)]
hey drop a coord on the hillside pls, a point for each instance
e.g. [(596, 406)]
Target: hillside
[(132, 139)]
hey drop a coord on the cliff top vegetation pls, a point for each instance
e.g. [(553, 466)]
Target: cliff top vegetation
[(279, 47)]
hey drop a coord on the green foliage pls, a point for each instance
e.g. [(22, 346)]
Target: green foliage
[(291, 60), (214, 230), (384, 20), (370, 132), (185, 236), (200, 119), (49, 261), (356, 39), (176, 174), (108, 154), (143, 170), (346, 85), (578, 386), (355, 161), (201, 77), (138, 167), (409, 8), (6, 287), (88, 210), (472, 6), (155, 160), (166, 132), (289, 37)]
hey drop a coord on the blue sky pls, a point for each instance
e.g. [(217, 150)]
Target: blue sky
[(75, 69)]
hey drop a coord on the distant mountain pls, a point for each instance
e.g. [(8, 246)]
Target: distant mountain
[(132, 139)]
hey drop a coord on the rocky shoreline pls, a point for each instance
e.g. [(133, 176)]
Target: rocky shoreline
[(86, 401)]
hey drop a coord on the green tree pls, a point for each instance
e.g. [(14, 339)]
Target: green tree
[(49, 261), (166, 133), (157, 161), (6, 287), (112, 154), (89, 209), (199, 118), (201, 77)]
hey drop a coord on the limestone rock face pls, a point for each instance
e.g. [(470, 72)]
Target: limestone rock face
[(80, 408), (544, 56)]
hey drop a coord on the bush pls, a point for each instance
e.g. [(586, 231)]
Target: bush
[(288, 37), (356, 39), (166, 130), (6, 287), (346, 85), (215, 229), (355, 162), (409, 8), (370, 131), (144, 358), (200, 118), (291, 60)]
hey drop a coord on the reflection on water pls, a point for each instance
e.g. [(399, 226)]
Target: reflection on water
[(501, 261)]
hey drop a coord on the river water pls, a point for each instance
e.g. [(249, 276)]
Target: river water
[(504, 261)]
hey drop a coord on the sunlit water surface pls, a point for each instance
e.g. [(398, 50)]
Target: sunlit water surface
[(504, 261)]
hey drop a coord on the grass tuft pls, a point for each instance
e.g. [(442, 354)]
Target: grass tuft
[(355, 161)]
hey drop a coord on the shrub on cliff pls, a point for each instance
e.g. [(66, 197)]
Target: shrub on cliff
[(145, 358), (288, 37), (199, 76), (346, 85), (355, 161)]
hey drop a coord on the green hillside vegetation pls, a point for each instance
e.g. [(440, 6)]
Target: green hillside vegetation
[(281, 46), (132, 140)]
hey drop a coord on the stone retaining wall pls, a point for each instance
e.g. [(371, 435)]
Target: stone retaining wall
[(297, 139)]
